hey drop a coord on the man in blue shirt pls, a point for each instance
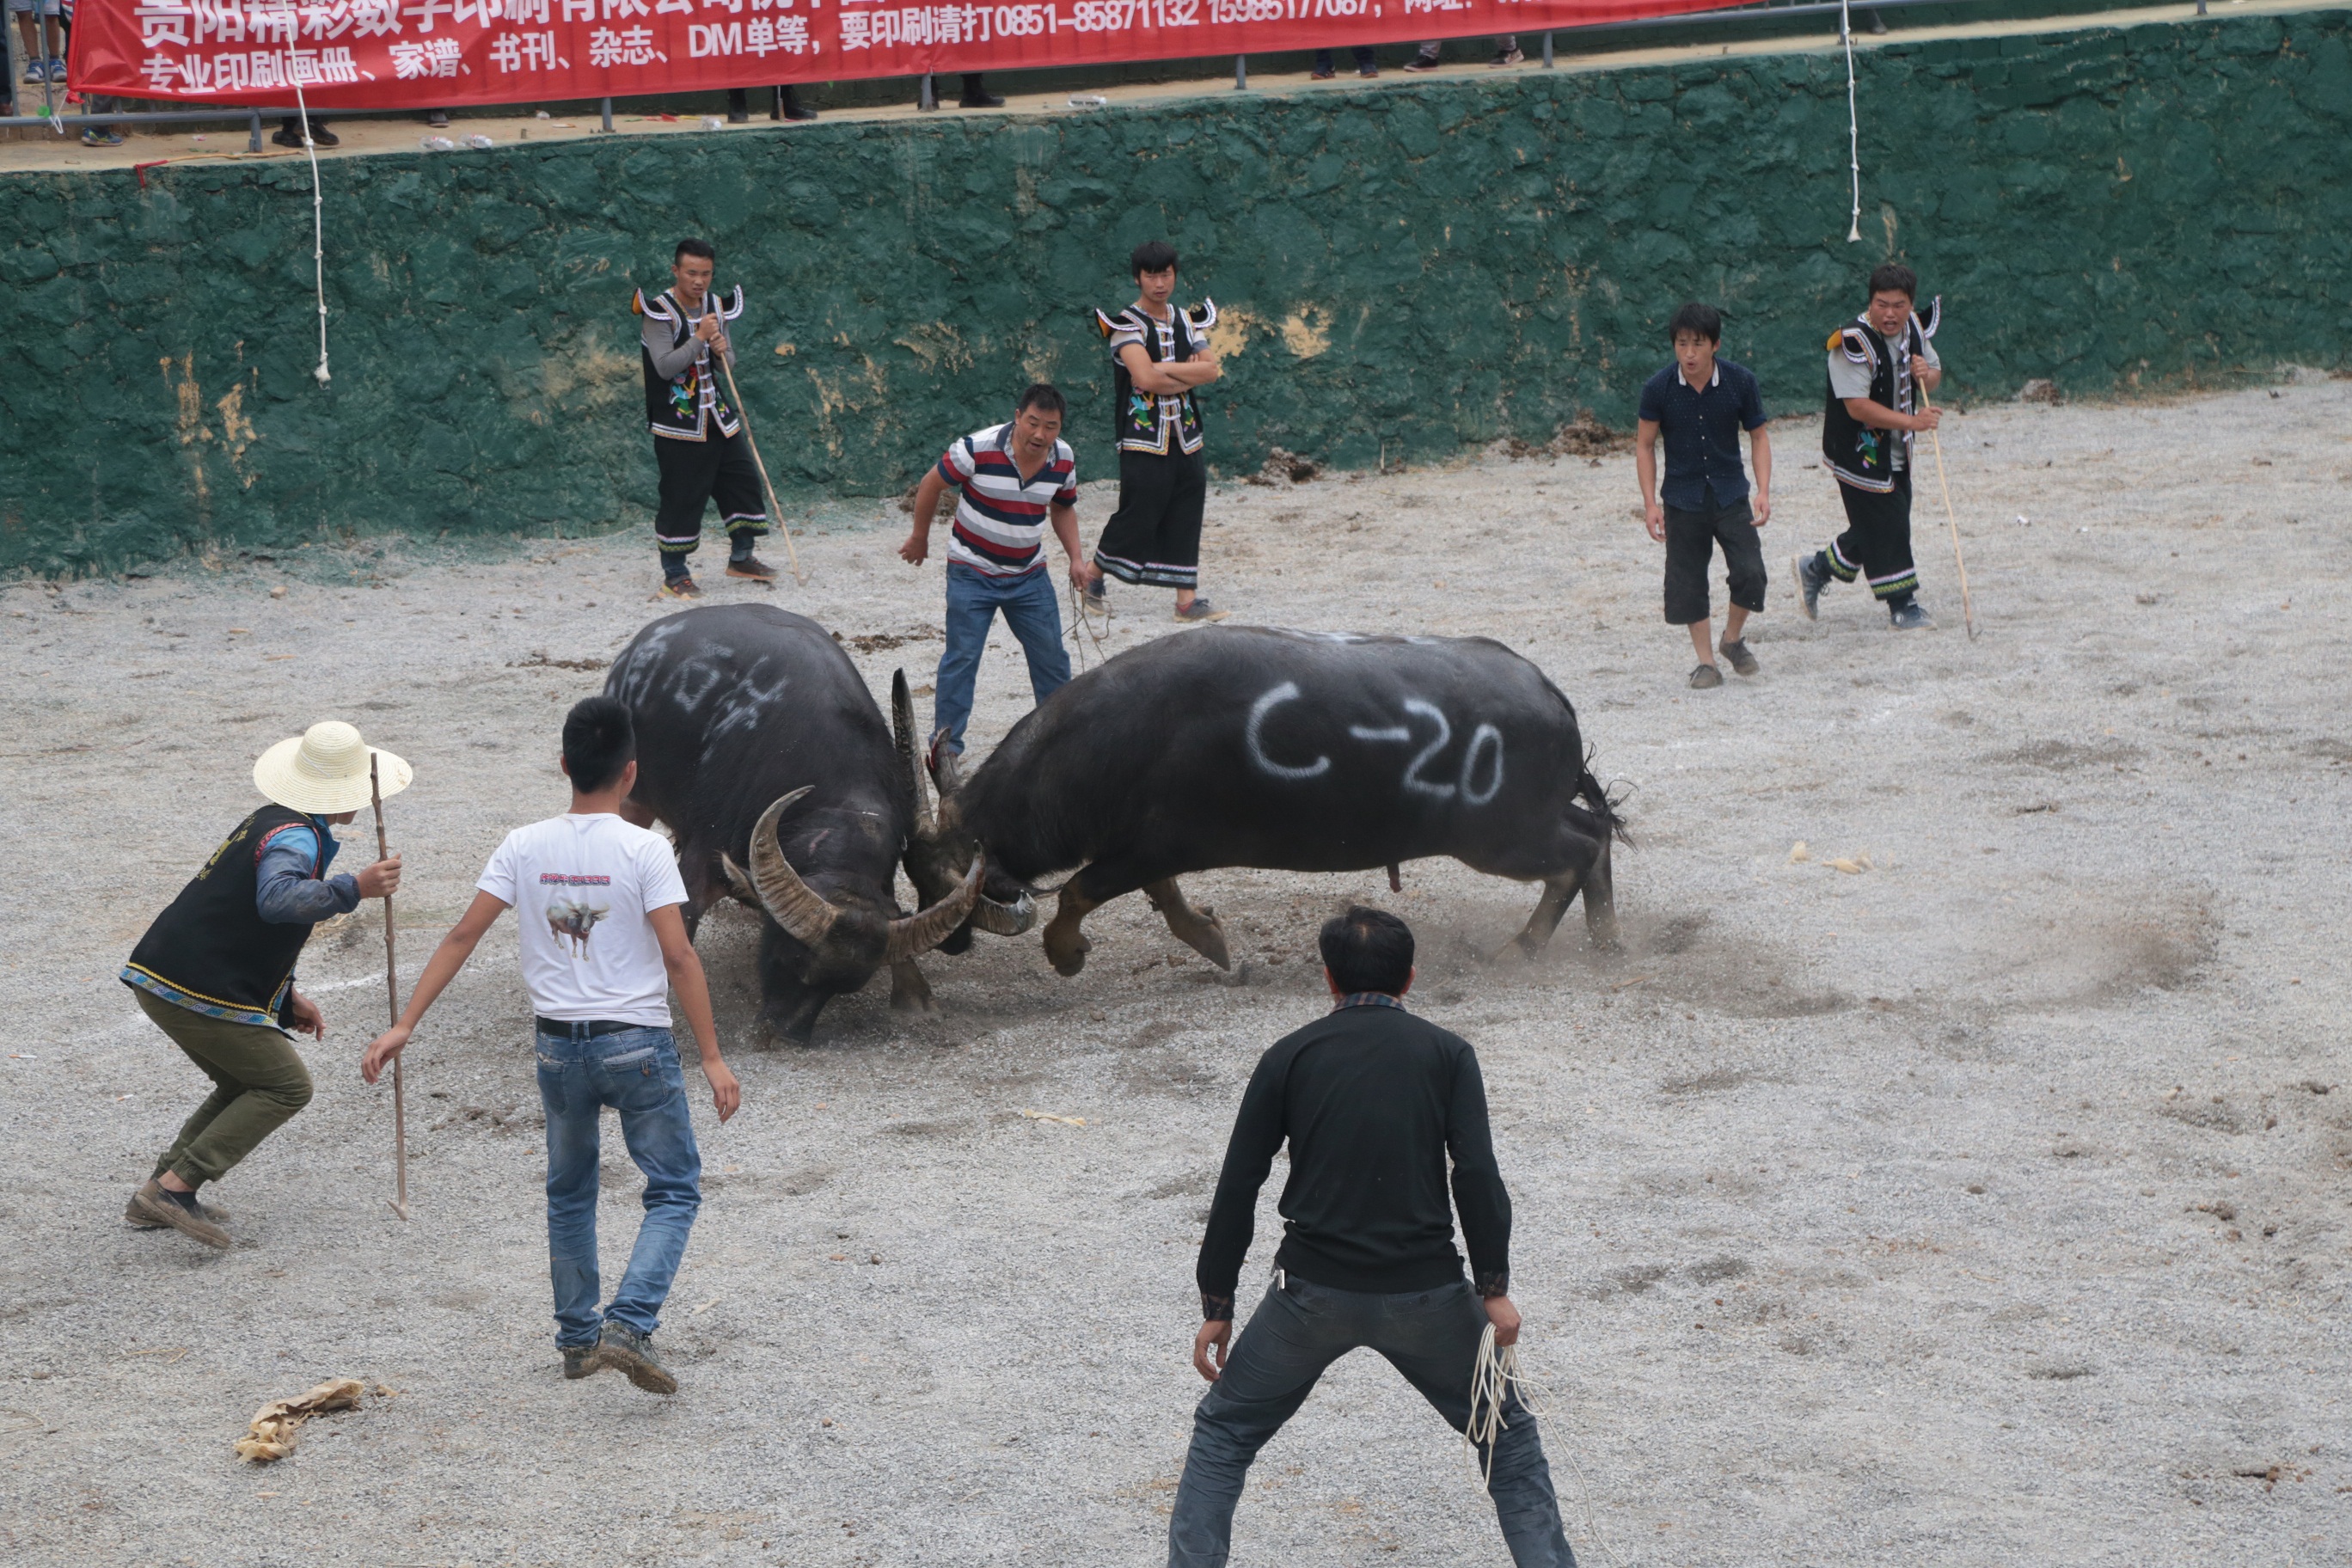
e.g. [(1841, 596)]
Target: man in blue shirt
[(1700, 403)]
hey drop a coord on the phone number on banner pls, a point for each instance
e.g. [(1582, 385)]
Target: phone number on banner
[(883, 28)]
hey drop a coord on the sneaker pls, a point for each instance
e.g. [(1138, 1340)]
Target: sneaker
[(1200, 613), (795, 111), (101, 136), (37, 71), (151, 1202), (979, 100), (1322, 73), (1425, 61), (1705, 677), (679, 587), (1910, 615), (625, 1350), (583, 1361), (1736, 652), (751, 569), (1809, 583), (1510, 57), (1368, 70)]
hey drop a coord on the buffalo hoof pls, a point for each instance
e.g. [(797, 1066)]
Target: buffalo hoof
[(909, 991), (1207, 938), (1066, 957)]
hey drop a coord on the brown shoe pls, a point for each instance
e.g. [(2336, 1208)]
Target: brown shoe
[(753, 570), (149, 1202), (1741, 659), (679, 588), (1705, 677), (136, 1217)]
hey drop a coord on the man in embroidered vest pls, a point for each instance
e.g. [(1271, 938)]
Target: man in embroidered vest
[(698, 440), (1160, 356), (1867, 425), (215, 972)]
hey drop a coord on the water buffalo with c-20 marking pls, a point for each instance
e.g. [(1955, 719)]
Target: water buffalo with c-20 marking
[(761, 750), (1291, 751)]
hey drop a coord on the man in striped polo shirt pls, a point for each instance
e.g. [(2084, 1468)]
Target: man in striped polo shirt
[(1015, 479)]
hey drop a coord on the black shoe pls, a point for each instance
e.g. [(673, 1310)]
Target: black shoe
[(1422, 62), (1322, 73), (794, 109), (752, 569), (583, 1361), (979, 100), (680, 587), (1809, 583), (625, 1350), (1910, 615)]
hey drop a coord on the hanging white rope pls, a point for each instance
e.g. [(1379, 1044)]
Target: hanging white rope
[(1492, 1379), (1852, 124), (318, 232)]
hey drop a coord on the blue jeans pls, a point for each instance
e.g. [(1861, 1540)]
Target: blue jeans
[(973, 599), (1431, 1336), (637, 1073)]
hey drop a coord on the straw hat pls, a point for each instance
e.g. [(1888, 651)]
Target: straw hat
[(324, 770)]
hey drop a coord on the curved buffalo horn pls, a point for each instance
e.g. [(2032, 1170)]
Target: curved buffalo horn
[(1005, 919), (790, 901), (902, 724), (737, 882), (947, 767), (922, 932)]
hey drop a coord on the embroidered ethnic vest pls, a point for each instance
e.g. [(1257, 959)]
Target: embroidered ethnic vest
[(1142, 421), (1858, 454), (682, 407), (211, 942)]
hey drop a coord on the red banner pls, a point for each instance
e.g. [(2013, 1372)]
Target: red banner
[(392, 53)]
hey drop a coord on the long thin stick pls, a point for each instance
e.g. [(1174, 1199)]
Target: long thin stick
[(1967, 609), (392, 994), (774, 510)]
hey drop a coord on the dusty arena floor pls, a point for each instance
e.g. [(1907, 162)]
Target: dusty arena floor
[(1985, 1205)]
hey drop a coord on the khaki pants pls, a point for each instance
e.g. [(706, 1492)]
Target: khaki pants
[(258, 1082)]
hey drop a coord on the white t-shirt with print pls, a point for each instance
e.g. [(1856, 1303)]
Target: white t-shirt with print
[(581, 887)]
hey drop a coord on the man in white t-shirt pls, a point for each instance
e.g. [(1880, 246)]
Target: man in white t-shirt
[(602, 945)]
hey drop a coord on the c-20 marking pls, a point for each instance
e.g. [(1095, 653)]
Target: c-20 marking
[(1483, 739)]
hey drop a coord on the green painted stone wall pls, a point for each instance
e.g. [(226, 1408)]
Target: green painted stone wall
[(1409, 268)]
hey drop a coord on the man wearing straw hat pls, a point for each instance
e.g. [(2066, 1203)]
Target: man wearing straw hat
[(215, 969)]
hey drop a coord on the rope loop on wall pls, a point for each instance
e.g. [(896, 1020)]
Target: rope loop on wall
[(319, 233)]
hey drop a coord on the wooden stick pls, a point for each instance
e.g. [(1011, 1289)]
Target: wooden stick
[(391, 994), (1967, 609), (774, 510)]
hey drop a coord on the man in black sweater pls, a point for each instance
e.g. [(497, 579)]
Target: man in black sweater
[(1372, 1101)]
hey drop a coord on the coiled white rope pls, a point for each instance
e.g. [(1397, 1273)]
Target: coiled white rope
[(1852, 123), (318, 232), (1493, 1378)]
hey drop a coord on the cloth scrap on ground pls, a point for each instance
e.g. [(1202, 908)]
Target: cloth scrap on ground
[(271, 1434)]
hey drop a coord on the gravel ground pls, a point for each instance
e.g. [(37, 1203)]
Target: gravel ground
[(1988, 1204)]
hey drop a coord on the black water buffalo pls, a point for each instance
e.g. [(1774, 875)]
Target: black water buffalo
[(1292, 750), (762, 753)]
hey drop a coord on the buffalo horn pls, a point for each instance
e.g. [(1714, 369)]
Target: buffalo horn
[(918, 933), (1005, 920), (737, 881), (790, 901), (902, 722)]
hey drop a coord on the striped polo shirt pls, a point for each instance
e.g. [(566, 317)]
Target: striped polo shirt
[(1000, 523)]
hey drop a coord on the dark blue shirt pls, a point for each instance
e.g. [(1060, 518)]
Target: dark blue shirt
[(1700, 431)]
